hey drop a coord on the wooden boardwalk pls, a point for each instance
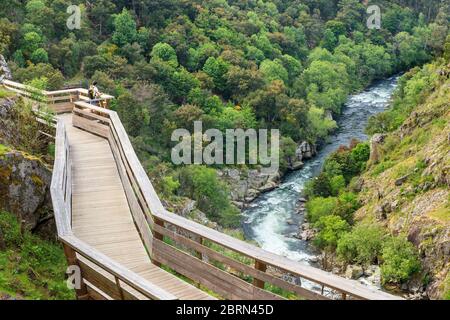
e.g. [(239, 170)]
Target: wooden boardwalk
[(114, 227), (101, 216)]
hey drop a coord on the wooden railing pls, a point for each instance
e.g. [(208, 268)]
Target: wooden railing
[(102, 277), (59, 101), (186, 246)]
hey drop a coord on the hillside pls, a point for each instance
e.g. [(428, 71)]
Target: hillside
[(406, 187), (390, 208), (288, 65)]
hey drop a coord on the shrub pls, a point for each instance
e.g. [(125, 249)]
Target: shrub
[(346, 205), (320, 207), (319, 186), (400, 260), (362, 245), (337, 184), (331, 230), (201, 184)]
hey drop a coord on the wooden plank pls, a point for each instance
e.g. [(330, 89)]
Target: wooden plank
[(87, 113), (90, 126), (304, 271), (135, 281), (236, 265), (221, 282), (104, 283)]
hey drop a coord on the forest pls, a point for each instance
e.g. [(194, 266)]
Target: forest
[(255, 64), (264, 64), (231, 64)]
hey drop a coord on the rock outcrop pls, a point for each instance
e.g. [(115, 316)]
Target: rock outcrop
[(9, 133), (246, 186), (375, 143), (24, 191), (305, 151), (5, 72)]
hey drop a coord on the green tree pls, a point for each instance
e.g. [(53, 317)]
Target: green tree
[(164, 52), (362, 245), (320, 207), (124, 29), (217, 69), (332, 228), (39, 56), (201, 184), (273, 70)]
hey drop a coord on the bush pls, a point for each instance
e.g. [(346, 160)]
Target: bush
[(362, 245), (337, 184), (331, 230), (201, 184), (319, 186), (346, 205), (41, 70), (320, 207), (399, 261)]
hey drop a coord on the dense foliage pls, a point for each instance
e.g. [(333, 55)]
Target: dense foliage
[(233, 64), (366, 241)]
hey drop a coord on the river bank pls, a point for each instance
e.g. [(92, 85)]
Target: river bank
[(274, 217)]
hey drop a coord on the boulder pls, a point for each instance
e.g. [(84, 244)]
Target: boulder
[(297, 165), (354, 272), (375, 143), (24, 191), (373, 274), (307, 235), (305, 151), (269, 186), (5, 72), (401, 180), (188, 207)]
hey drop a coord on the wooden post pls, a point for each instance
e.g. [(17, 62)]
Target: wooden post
[(157, 236), (120, 288), (82, 293), (261, 267), (197, 253)]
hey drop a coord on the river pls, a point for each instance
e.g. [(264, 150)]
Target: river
[(266, 219)]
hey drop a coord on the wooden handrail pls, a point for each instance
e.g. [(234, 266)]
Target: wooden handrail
[(163, 223), (61, 197)]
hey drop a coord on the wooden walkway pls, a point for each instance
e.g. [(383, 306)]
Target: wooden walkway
[(114, 227), (101, 216)]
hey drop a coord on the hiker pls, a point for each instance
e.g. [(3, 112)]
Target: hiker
[(94, 93)]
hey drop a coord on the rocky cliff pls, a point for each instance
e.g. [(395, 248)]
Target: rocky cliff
[(24, 178), (247, 184)]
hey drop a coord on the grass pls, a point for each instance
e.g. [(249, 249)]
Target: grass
[(5, 94), (30, 267), (382, 167), (441, 213), (3, 149)]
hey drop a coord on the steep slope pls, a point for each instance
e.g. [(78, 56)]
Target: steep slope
[(406, 187)]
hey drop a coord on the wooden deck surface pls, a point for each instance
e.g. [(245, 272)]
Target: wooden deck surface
[(101, 216)]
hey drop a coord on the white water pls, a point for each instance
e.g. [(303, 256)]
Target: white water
[(265, 221)]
